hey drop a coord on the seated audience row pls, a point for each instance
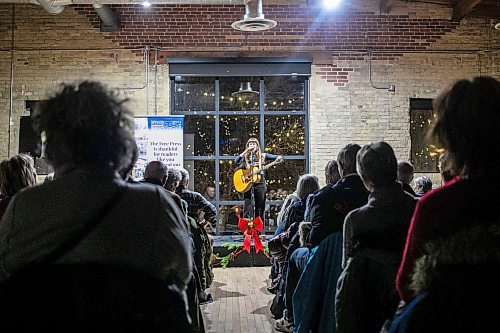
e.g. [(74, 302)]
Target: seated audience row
[(356, 241)]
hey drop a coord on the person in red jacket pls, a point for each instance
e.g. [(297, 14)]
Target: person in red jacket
[(466, 126)]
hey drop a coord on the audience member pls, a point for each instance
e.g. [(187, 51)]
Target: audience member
[(196, 202), (330, 205), (111, 223), (16, 173), (405, 175), (456, 284), (306, 185), (423, 184), (155, 173), (466, 126), (275, 275), (332, 175), (313, 307), (202, 241), (202, 273), (374, 238), (210, 193), (289, 201)]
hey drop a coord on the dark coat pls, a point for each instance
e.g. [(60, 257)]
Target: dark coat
[(382, 223), (313, 300), (407, 188), (145, 230), (374, 238), (330, 205)]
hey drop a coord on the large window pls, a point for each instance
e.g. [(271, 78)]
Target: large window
[(227, 103), (424, 156)]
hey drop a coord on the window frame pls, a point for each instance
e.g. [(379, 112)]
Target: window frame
[(252, 67)]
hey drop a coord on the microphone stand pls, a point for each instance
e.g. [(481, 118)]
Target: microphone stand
[(252, 194)]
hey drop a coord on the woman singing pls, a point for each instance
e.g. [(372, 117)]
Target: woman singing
[(253, 157)]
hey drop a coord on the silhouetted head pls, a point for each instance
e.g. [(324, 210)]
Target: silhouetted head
[(346, 159), (16, 173), (467, 120), (377, 164), (86, 125)]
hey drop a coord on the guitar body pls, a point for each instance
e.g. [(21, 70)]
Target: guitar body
[(243, 179)]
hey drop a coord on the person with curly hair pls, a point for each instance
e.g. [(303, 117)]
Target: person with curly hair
[(89, 141)]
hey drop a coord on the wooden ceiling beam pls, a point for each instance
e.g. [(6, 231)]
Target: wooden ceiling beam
[(386, 5), (463, 7)]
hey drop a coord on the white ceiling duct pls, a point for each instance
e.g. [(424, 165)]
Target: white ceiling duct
[(110, 20), (254, 18), (132, 2), (50, 6)]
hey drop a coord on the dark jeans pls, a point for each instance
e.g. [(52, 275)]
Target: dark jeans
[(260, 190), (296, 265)]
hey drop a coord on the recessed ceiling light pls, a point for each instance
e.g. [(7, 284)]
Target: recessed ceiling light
[(146, 4)]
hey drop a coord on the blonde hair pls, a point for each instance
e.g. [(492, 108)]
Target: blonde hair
[(306, 185)]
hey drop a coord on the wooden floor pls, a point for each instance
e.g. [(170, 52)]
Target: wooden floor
[(241, 301)]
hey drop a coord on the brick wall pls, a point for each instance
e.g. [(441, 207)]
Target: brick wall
[(416, 48)]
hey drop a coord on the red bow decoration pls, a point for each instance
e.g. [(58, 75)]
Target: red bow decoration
[(249, 229)]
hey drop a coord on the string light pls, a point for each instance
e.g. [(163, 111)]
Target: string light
[(283, 134)]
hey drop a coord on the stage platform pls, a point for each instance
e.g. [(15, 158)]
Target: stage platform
[(244, 259)]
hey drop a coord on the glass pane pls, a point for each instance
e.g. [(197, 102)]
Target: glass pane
[(234, 133), (424, 157), (283, 177), (271, 214), (284, 93), (239, 94), (227, 190), (228, 220), (194, 94), (201, 175), (199, 135), (284, 135)]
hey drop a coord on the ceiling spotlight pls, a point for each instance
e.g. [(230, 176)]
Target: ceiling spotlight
[(146, 4), (330, 4), (497, 26)]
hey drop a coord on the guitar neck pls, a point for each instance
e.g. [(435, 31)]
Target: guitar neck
[(264, 168)]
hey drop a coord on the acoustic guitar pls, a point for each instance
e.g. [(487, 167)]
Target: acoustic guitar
[(243, 179)]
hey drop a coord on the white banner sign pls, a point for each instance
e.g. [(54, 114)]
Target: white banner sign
[(159, 139)]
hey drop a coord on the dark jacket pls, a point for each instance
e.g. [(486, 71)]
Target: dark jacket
[(374, 238), (145, 230), (196, 201), (313, 300), (407, 188), (330, 205), (382, 223), (366, 295)]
